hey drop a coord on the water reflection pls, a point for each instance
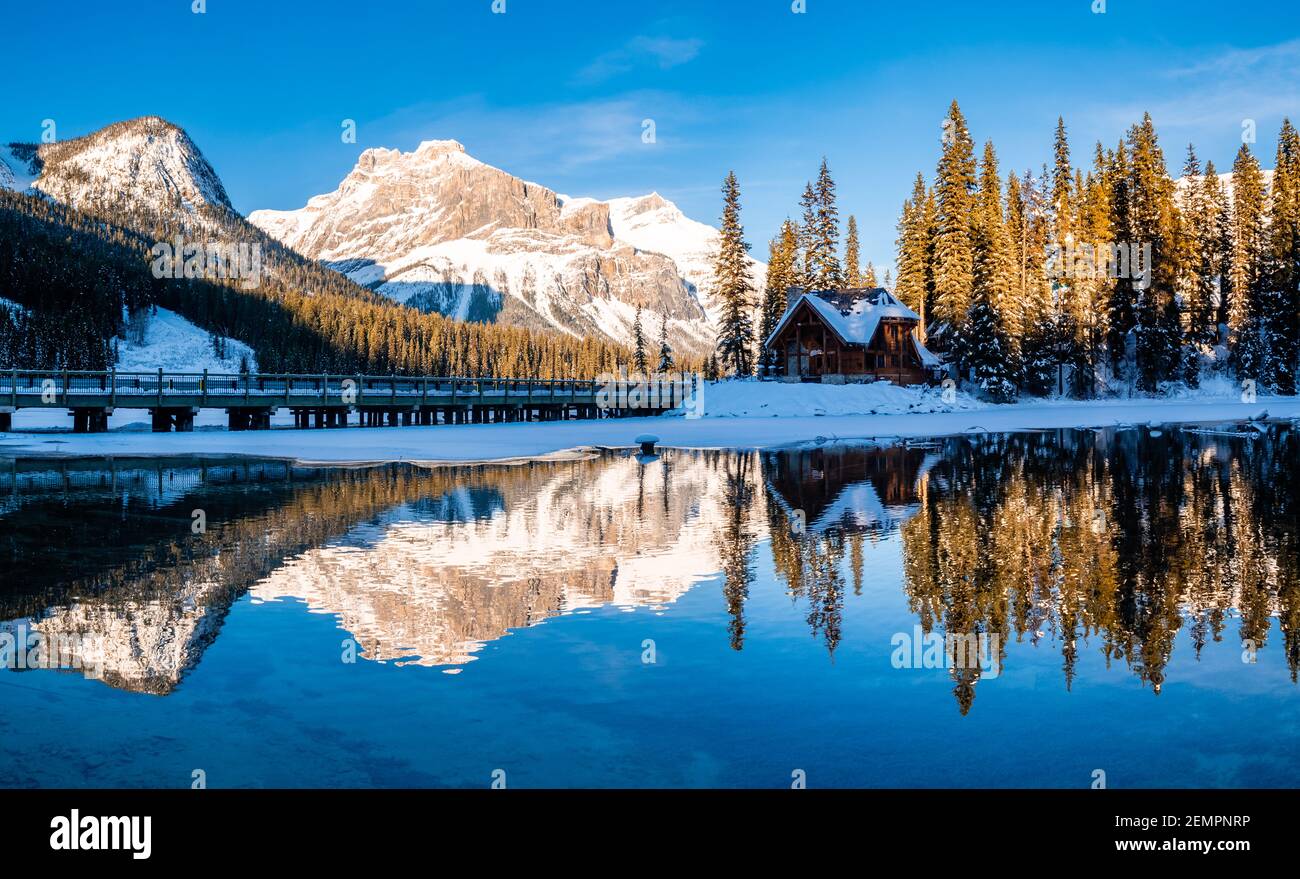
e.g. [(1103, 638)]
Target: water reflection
[(1112, 540)]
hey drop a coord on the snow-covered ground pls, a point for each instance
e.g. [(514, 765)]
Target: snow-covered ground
[(754, 399), (511, 441), (173, 344)]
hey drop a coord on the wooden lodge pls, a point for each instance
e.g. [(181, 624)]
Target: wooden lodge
[(849, 335)]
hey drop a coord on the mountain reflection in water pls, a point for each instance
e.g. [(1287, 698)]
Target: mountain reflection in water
[(1114, 541)]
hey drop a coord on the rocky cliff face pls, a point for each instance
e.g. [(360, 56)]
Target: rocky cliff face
[(442, 231)]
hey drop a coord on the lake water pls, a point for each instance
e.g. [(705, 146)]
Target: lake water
[(1030, 610)]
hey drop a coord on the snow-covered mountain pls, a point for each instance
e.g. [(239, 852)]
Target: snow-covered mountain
[(144, 164), (1182, 184), (442, 231)]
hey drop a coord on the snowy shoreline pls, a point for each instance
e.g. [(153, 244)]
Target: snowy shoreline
[(514, 442)]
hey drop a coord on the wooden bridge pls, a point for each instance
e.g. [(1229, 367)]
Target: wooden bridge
[(330, 401)]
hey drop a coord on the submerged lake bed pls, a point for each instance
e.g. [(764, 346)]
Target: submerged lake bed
[(1047, 609)]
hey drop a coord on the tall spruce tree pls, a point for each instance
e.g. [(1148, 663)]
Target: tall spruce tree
[(852, 255), (1120, 319), (806, 264), (823, 244), (638, 345), (782, 259), (915, 283), (1282, 300), (734, 286), (665, 364), (954, 185), (1158, 320), (1197, 284), (993, 352), (1249, 265)]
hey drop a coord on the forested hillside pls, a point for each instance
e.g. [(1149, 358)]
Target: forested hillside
[(76, 278)]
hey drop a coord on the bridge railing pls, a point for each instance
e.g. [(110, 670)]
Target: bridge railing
[(58, 385)]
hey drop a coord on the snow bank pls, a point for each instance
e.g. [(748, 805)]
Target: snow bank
[(174, 344), (755, 399), (479, 442)]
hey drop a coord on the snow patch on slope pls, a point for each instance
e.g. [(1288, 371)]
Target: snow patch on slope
[(174, 344)]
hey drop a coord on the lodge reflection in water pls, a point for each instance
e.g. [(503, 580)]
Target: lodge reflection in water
[(1116, 540)]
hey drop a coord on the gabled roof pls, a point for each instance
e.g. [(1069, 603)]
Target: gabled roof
[(855, 325)]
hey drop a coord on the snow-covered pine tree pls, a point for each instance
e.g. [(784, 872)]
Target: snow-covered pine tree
[(734, 286), (824, 262), (1220, 234), (638, 345), (1198, 269), (805, 266), (869, 278), (1062, 180), (852, 257), (954, 184), (665, 364), (888, 282), (1249, 256), (992, 353), (1281, 304), (783, 254), (1037, 308)]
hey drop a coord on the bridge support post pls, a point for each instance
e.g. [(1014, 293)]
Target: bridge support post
[(90, 420)]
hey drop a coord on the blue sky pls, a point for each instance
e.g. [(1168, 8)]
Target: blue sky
[(556, 91)]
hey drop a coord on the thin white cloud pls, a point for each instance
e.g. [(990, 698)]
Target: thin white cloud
[(643, 51)]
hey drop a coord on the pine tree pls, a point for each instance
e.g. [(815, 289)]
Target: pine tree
[(1038, 318), (1062, 177), (1249, 255), (783, 255), (954, 184), (638, 345), (734, 286), (823, 236), (1199, 269), (915, 283), (1120, 319), (1282, 301), (1159, 324), (806, 264), (869, 278), (889, 281), (992, 355), (665, 364), (852, 261)]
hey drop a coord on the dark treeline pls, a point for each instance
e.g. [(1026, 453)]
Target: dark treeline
[(77, 276)]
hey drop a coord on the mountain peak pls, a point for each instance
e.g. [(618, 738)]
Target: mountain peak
[(438, 147), (146, 161)]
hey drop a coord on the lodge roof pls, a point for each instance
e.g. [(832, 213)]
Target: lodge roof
[(852, 313)]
